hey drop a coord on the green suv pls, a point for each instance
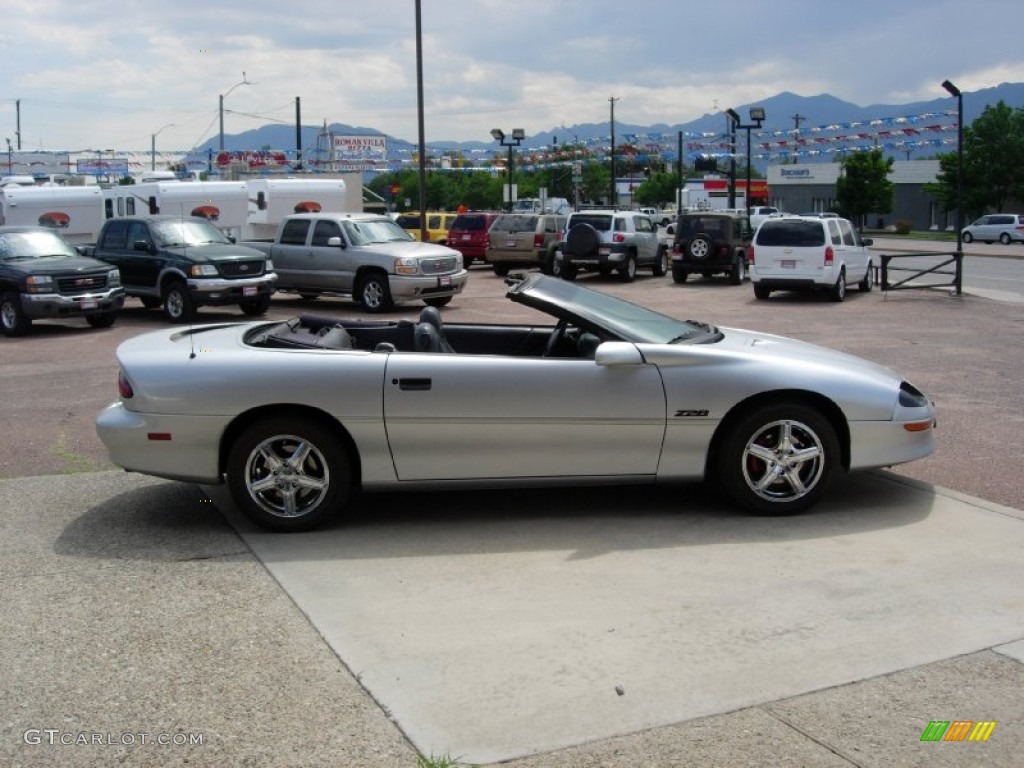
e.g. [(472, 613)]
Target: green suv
[(711, 243)]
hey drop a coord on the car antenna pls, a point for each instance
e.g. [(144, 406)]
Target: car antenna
[(184, 246)]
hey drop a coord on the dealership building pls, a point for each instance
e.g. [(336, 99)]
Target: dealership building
[(812, 187)]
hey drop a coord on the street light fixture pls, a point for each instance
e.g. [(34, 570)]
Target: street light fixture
[(955, 93), (518, 134), (152, 147), (757, 116), (224, 96)]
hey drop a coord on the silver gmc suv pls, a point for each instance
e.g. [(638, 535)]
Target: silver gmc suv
[(610, 241)]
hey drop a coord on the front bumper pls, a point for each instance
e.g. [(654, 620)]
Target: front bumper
[(221, 291), (409, 287), (40, 306)]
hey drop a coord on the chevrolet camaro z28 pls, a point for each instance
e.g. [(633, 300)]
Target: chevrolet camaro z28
[(295, 416)]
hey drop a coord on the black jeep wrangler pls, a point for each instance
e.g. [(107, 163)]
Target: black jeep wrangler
[(710, 243)]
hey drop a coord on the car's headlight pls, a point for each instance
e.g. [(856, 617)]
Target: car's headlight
[(114, 279), (911, 396), (39, 283), (407, 266), (270, 266), (203, 270)]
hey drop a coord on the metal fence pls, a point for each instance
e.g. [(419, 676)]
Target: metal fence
[(914, 274)]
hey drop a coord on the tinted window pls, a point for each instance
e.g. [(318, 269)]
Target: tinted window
[(408, 221), (791, 233), (602, 223), (294, 232), (115, 236), (472, 222), (324, 230), (514, 223), (847, 230)]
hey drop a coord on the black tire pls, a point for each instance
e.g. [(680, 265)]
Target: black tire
[(289, 474), (661, 263), (779, 458), (101, 320), (501, 270), (838, 291), (548, 266), (374, 293), (1004, 238), (13, 321), (150, 302), (178, 304), (438, 301), (679, 274), (761, 291), (309, 296), (738, 272), (865, 285), (568, 272), (699, 248), (257, 306), (627, 273), (581, 240), (467, 261), (968, 237)]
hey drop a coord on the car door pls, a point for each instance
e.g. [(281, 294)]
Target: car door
[(855, 253), (647, 239), (452, 416), (332, 264), (293, 260)]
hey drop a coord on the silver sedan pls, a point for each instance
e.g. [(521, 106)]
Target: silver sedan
[(295, 416)]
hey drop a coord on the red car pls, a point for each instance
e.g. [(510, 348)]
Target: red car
[(468, 235)]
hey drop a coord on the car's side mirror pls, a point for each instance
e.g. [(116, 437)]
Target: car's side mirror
[(141, 245), (335, 242), (615, 353), (868, 241)]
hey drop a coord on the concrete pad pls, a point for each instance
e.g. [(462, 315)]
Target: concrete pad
[(496, 625)]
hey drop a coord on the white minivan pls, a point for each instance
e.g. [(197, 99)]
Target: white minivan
[(799, 253)]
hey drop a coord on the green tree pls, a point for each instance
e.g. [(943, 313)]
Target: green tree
[(993, 163), (658, 190), (863, 186)]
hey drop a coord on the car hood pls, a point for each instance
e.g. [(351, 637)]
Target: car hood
[(56, 265), (216, 252), (413, 248)]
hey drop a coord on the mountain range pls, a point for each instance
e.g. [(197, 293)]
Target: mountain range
[(781, 110)]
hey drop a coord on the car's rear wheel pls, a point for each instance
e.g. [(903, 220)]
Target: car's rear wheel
[(309, 296), (178, 304), (838, 292), (761, 291), (627, 273), (1004, 238), (13, 321), (679, 274), (779, 458), (289, 474), (568, 272), (501, 269), (661, 263), (374, 293)]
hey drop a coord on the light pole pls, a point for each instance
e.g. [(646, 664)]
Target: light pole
[(518, 134), (955, 92), (10, 159), (224, 96), (152, 147), (757, 116)]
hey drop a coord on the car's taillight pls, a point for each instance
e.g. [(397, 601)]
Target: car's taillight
[(538, 241), (830, 256), (750, 254), (123, 387), (619, 237), (677, 248)]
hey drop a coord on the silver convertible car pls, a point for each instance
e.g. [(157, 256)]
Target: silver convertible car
[(297, 415)]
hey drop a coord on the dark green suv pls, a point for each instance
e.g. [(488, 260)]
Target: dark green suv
[(711, 243)]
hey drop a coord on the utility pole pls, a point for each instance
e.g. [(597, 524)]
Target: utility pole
[(17, 130), (614, 197), (797, 119)]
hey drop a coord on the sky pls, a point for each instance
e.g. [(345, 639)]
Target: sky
[(110, 75)]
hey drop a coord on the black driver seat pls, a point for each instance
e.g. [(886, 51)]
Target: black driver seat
[(429, 333)]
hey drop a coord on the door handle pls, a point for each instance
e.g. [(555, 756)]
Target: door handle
[(414, 385)]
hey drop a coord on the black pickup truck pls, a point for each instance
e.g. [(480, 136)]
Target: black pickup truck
[(42, 277), (184, 263)]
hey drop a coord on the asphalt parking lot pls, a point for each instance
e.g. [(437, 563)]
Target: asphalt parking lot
[(496, 626)]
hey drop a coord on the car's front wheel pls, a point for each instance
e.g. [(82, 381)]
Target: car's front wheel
[(178, 304), (374, 293), (101, 320), (289, 474), (738, 273), (438, 301), (12, 318), (257, 306), (968, 237), (868, 282), (779, 458)]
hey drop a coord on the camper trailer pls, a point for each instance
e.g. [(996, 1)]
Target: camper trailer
[(224, 203), (76, 213), (270, 200)]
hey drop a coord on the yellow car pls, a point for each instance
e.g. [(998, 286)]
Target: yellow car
[(437, 225)]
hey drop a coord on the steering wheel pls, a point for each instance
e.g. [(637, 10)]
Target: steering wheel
[(555, 337)]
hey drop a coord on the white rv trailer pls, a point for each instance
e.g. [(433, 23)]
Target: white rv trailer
[(224, 203), (76, 213), (270, 200)]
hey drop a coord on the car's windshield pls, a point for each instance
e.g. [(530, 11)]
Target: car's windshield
[(374, 231), (33, 245), (187, 232), (623, 319), (514, 223)]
